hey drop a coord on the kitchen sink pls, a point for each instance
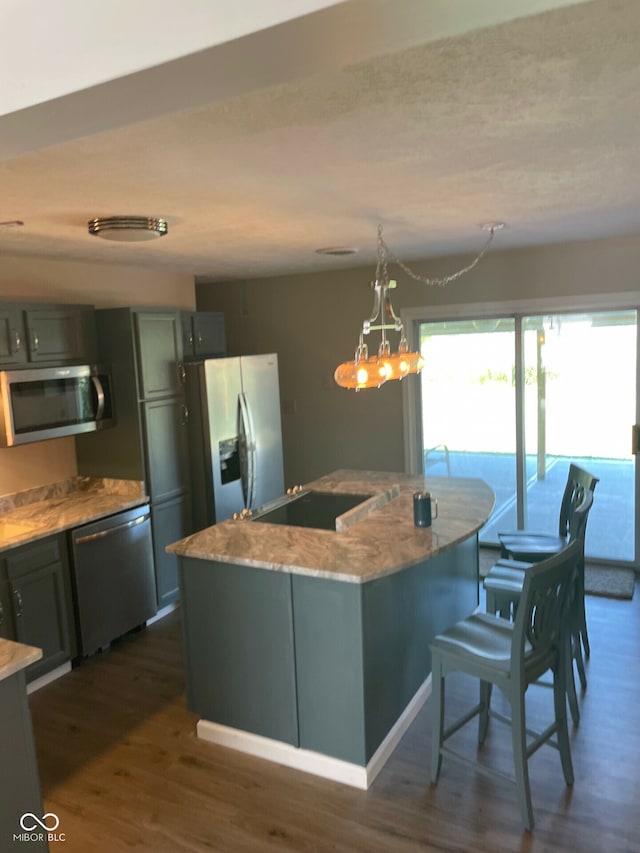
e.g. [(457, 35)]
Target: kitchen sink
[(311, 509)]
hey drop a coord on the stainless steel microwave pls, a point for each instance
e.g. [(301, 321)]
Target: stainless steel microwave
[(51, 402)]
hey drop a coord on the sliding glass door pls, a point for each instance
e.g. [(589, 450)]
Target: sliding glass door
[(515, 400), (468, 403)]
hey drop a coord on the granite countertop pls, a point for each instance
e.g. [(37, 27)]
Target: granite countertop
[(16, 656), (27, 518), (383, 542)]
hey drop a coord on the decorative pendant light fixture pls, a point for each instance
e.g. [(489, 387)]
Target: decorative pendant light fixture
[(367, 371), (128, 229)]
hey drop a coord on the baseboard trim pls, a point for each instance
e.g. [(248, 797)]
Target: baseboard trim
[(347, 773), (164, 611), (58, 672), (388, 745)]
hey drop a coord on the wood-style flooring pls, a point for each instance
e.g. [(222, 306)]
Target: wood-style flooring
[(122, 768)]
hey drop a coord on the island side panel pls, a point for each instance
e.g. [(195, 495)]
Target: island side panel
[(402, 613), (19, 781), (328, 643), (238, 631)]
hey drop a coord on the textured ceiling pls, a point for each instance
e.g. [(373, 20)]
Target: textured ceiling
[(534, 122)]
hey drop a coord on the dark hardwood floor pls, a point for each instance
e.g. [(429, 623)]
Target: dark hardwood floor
[(123, 770)]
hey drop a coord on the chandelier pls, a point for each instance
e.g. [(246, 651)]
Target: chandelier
[(367, 371)]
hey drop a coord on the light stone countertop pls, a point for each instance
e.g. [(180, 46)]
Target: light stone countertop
[(384, 542), (16, 656), (90, 501)]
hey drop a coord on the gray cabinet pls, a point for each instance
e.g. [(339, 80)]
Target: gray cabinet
[(60, 333), (12, 345), (165, 447), (158, 353), (5, 607), (149, 442), (239, 647), (19, 779), (46, 334), (203, 334), (37, 601), (171, 520), (325, 665)]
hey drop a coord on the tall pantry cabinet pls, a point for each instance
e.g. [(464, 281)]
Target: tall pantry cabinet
[(143, 348)]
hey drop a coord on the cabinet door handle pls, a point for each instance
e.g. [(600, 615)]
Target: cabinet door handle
[(184, 415), (34, 340), (189, 337), (15, 334), (18, 597), (199, 338), (182, 374)]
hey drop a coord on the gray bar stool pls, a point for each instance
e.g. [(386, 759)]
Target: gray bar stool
[(511, 655)]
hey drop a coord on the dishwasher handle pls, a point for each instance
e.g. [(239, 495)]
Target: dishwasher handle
[(102, 533)]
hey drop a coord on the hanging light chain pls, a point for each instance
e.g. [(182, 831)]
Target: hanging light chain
[(385, 252)]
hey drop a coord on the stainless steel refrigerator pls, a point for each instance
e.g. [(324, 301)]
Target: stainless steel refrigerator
[(235, 435)]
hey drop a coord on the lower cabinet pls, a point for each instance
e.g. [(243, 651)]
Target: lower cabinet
[(239, 647), (321, 664), (37, 596), (170, 521), (5, 609)]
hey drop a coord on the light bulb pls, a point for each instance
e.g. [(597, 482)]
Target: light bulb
[(367, 373), (402, 363), (415, 361)]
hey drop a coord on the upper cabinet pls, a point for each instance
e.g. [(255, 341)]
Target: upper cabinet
[(159, 353), (203, 334), (12, 339), (46, 334)]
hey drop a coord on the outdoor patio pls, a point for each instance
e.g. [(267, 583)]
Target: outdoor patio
[(610, 531)]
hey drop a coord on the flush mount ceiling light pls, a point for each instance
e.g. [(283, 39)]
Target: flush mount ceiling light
[(372, 371), (127, 229)]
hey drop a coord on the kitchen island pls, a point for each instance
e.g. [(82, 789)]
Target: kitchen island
[(310, 647), (20, 793)]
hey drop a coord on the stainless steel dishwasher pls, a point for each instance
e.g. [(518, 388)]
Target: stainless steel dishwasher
[(113, 577)]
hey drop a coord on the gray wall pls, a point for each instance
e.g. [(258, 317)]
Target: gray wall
[(313, 321)]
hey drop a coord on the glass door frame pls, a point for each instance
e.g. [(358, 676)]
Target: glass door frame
[(516, 309)]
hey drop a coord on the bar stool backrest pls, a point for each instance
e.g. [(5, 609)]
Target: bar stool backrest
[(542, 614), (580, 483)]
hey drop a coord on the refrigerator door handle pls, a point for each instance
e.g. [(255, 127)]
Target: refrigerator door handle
[(250, 449)]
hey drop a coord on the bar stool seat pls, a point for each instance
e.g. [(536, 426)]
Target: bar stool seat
[(531, 547)]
